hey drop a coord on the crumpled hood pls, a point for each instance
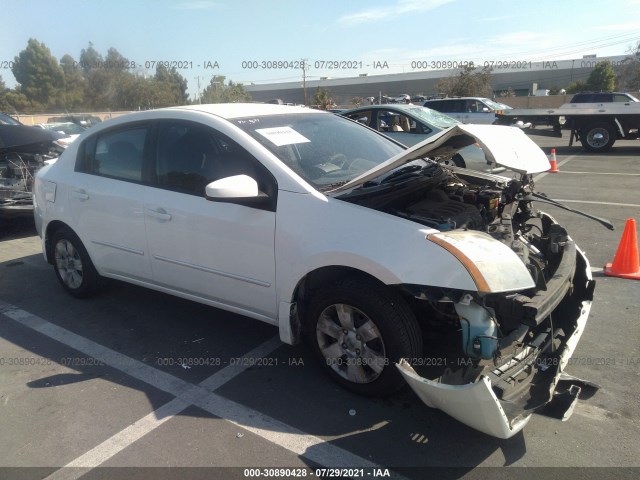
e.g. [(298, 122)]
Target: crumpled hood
[(24, 138), (505, 146)]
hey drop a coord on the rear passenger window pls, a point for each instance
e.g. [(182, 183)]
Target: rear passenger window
[(116, 154)]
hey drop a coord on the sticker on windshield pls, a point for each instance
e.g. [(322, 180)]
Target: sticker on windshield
[(280, 136)]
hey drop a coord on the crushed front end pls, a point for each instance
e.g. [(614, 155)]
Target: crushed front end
[(511, 346)]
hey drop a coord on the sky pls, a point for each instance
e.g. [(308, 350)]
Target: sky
[(245, 39)]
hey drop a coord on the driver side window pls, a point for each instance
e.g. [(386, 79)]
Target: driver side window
[(189, 156)]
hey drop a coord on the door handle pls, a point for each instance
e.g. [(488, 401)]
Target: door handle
[(160, 214), (80, 194)]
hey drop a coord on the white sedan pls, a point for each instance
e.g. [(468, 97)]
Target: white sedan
[(335, 234)]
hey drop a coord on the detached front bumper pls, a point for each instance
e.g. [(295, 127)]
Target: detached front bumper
[(478, 404)]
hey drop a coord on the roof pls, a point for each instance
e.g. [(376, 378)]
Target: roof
[(240, 110)]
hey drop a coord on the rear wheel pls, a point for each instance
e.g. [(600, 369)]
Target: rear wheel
[(72, 264), (359, 330), (598, 137)]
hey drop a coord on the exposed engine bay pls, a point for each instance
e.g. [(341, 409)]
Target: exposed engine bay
[(23, 151), (517, 343)]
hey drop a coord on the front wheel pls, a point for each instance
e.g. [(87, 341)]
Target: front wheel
[(598, 137), (72, 264), (359, 330)]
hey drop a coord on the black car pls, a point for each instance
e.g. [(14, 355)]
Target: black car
[(6, 119)]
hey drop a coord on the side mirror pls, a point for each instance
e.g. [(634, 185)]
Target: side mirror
[(240, 189), (485, 110)]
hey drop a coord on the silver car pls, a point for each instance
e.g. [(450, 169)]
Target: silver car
[(412, 124)]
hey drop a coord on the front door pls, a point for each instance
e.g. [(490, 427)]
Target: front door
[(219, 252)]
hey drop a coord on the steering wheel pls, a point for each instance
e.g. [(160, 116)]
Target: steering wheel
[(341, 160)]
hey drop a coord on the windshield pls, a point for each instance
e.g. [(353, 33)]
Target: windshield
[(325, 150), (494, 105), (433, 117)]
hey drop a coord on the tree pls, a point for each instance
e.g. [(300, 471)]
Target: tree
[(577, 87), (3, 92), (115, 62), (174, 81), (322, 98), (105, 79), (509, 92), (74, 84), (218, 92), (16, 101), (357, 101), (602, 78), (235, 93), (470, 82), (40, 77), (628, 72), (90, 58)]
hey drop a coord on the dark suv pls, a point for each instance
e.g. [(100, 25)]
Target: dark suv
[(602, 97)]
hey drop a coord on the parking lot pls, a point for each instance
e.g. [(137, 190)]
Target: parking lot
[(136, 378)]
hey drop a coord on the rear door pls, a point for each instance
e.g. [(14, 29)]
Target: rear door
[(106, 199)]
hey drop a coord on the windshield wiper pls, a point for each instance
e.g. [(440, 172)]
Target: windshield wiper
[(331, 186)]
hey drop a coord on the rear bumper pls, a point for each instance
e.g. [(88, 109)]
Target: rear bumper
[(478, 404)]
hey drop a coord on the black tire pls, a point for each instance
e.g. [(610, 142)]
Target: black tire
[(368, 350), (73, 267), (598, 137)]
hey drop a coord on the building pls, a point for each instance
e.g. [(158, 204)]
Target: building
[(519, 76)]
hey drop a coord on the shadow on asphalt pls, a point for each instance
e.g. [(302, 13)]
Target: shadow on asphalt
[(16, 228)]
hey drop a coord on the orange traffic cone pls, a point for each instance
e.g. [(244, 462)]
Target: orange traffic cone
[(552, 161), (625, 263)]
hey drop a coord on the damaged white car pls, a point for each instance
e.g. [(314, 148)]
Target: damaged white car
[(395, 268)]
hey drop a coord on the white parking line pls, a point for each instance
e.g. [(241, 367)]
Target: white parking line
[(544, 174), (268, 428)]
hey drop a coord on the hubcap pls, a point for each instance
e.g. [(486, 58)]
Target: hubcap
[(68, 264), (598, 137), (351, 343)]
